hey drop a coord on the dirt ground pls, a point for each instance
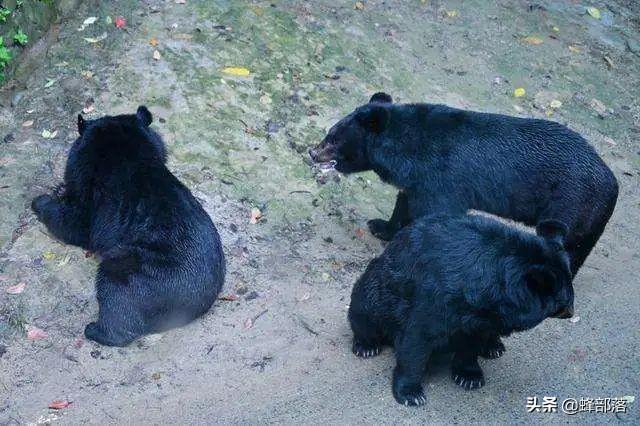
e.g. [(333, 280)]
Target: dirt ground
[(280, 353)]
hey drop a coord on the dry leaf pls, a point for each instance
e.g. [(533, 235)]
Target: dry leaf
[(183, 36), (265, 99), (15, 289), (360, 232), (35, 333), (156, 55), (120, 22), (48, 255), (237, 71), (519, 92), (555, 104), (50, 83), (533, 40), (555, 29), (609, 62), (594, 12), (27, 123), (228, 297), (48, 134), (574, 319), (155, 376), (248, 323), (359, 5), (256, 215), (452, 13), (574, 48), (95, 39), (89, 21), (59, 404), (153, 41), (86, 74), (181, 1)]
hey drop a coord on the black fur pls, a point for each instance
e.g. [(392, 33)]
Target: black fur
[(444, 159), (455, 283), (162, 261)]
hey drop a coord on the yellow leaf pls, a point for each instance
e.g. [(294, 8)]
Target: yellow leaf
[(237, 71), (574, 49), (359, 5), (519, 92), (153, 41), (556, 29), (533, 40), (48, 255), (452, 13), (594, 12)]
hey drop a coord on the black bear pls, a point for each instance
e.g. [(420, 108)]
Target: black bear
[(444, 159), (162, 263), (453, 283)]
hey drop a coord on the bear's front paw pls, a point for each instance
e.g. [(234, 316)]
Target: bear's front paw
[(381, 229), (39, 203), (409, 395), (493, 349), (468, 379), (365, 351)]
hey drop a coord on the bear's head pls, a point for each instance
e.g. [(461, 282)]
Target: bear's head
[(545, 289), (112, 142), (345, 146)]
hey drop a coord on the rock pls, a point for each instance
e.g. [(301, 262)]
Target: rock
[(252, 295), (633, 45), (17, 97), (542, 100)]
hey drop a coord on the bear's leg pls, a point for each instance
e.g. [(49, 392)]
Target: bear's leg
[(492, 348), (64, 221), (120, 320), (385, 230), (367, 339), (412, 354), (465, 370)]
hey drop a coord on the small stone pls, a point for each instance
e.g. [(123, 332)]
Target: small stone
[(634, 46), (233, 227), (252, 295), (95, 354), (17, 97)]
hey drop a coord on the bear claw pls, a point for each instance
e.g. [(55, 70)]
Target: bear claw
[(366, 351)]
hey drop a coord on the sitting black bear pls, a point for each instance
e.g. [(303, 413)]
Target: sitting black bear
[(449, 160), (454, 283), (162, 262)]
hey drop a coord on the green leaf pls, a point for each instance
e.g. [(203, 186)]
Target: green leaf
[(21, 38)]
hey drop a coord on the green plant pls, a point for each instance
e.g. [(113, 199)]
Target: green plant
[(21, 38), (4, 13), (5, 55)]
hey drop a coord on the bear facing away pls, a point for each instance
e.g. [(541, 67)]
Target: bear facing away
[(161, 259), (444, 159), (452, 283)]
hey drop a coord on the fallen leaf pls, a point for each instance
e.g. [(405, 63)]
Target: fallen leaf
[(48, 255), (59, 404), (452, 13), (598, 107), (610, 141), (108, 20), (86, 74), (533, 40), (360, 232), (519, 92), (35, 333), (183, 36), (359, 5), (574, 48), (6, 160), (48, 134), (156, 55), (555, 29), (153, 41), (89, 21), (248, 323), (50, 82), (95, 39), (256, 215), (265, 99), (27, 123), (574, 319), (155, 376), (120, 22), (237, 71), (181, 1), (594, 12), (555, 104), (15, 289), (609, 62), (228, 297)]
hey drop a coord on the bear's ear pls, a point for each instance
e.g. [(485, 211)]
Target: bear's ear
[(540, 280), (381, 98), (554, 231), (144, 115), (374, 118), (82, 124)]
